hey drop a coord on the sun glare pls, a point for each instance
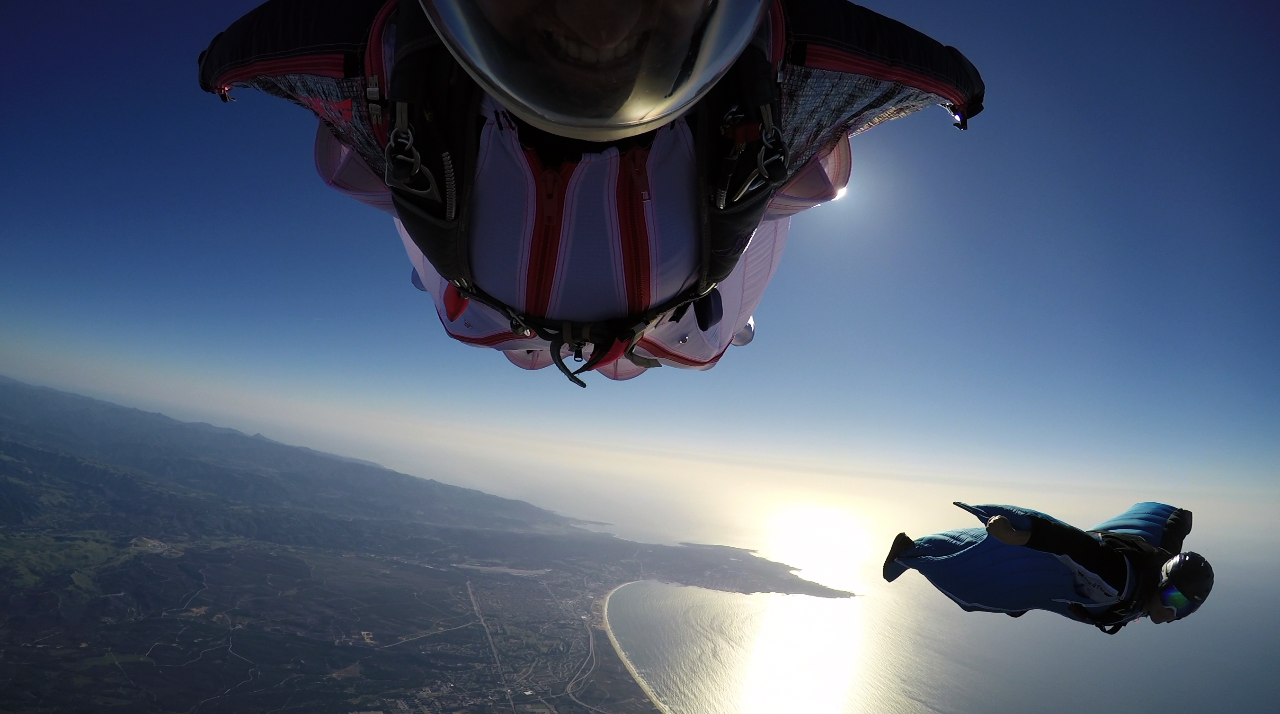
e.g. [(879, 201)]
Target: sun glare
[(817, 641), (828, 544)]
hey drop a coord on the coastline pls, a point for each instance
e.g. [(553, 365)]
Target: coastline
[(604, 612)]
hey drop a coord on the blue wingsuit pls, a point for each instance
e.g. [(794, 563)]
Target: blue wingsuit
[(980, 573)]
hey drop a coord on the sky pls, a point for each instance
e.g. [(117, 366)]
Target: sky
[(1080, 290), (1073, 306)]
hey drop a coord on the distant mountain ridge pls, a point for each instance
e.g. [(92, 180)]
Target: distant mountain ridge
[(253, 470), (340, 457)]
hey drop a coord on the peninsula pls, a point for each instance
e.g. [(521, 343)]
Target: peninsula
[(151, 565)]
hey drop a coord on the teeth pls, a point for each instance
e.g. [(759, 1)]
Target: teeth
[(591, 55)]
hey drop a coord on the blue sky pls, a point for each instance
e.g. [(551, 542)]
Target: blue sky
[(1073, 306), (1082, 286)]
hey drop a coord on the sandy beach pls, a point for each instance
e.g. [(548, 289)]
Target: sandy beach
[(623, 655)]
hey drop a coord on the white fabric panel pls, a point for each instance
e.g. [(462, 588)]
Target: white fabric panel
[(622, 370), (682, 344), (502, 213), (529, 359), (589, 282), (672, 213), (342, 169), (479, 325), (818, 182)]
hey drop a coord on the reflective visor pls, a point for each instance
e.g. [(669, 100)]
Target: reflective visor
[(598, 70), (1180, 604)]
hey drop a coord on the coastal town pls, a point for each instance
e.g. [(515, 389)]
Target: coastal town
[(195, 569), (537, 639)]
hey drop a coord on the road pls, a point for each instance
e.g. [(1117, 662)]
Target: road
[(497, 661)]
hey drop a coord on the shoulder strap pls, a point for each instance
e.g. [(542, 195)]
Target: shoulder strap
[(742, 161), (433, 145)]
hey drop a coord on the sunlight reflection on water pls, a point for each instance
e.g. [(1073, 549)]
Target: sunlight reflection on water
[(764, 653), (905, 647), (804, 640), (705, 652)]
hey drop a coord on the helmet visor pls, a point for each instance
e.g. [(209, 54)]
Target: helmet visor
[(1173, 599), (596, 69)]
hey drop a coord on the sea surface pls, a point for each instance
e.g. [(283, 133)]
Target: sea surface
[(903, 647)]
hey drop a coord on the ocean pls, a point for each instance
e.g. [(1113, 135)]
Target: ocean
[(903, 647)]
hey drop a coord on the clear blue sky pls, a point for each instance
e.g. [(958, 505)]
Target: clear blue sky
[(1086, 280)]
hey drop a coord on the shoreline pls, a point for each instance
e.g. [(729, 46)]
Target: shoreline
[(644, 686)]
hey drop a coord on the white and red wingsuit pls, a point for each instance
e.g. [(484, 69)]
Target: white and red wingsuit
[(614, 232)]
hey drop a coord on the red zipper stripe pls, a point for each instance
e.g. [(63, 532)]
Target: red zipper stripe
[(544, 248), (490, 341), (633, 227), (373, 59), (660, 352), (374, 63), (330, 65), (777, 33), (487, 341), (830, 58)]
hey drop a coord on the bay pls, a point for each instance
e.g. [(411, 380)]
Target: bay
[(706, 652), (903, 647)]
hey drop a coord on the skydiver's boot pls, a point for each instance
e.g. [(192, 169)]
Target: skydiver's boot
[(892, 568)]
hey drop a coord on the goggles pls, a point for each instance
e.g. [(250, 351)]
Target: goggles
[(1173, 599)]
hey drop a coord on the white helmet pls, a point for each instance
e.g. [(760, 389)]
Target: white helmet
[(598, 70)]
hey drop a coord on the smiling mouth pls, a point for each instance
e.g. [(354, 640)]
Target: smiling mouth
[(573, 52)]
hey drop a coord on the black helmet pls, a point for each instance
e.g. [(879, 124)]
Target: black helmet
[(1185, 582), (593, 69)]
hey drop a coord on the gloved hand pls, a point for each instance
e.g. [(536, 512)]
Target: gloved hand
[(1002, 530)]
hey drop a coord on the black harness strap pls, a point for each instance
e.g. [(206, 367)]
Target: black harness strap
[(735, 125), (437, 107), (1109, 628)]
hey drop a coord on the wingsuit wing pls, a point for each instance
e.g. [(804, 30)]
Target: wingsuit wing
[(324, 55), (847, 69), (1018, 516), (1159, 524), (983, 574), (842, 69), (323, 37)]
